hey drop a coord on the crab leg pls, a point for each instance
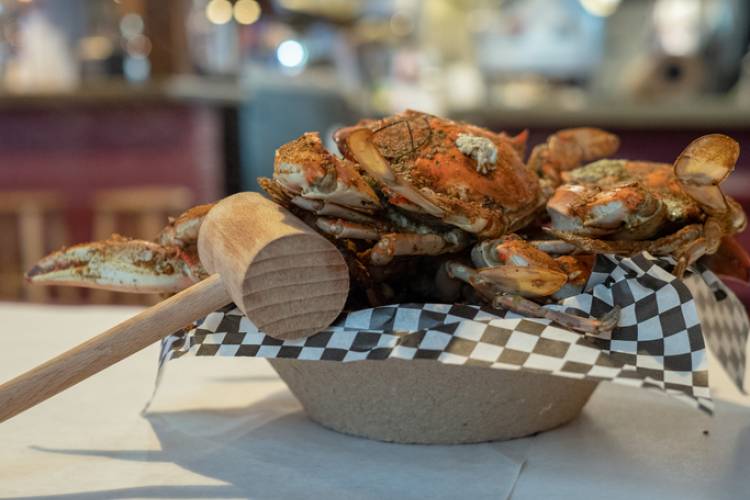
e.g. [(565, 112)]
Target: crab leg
[(617, 247), (119, 264), (341, 228), (558, 247), (500, 299), (183, 230), (712, 236), (129, 265), (319, 207), (397, 244), (666, 245), (703, 165), (391, 245), (687, 245)]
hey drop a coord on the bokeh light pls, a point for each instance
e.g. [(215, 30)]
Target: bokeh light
[(246, 11), (600, 8), (291, 54), (219, 11), (131, 25)]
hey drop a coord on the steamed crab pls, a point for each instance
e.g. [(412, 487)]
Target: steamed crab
[(620, 207), (418, 185), (624, 207)]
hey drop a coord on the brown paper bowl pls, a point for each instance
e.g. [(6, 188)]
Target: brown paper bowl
[(431, 403)]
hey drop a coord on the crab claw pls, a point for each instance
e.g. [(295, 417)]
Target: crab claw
[(119, 264), (519, 267), (703, 165), (305, 170), (183, 230), (526, 281), (569, 148), (501, 299)]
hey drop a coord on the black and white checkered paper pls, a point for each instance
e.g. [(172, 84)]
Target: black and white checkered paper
[(658, 342)]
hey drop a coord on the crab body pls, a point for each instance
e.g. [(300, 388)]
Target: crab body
[(625, 207), (463, 175)]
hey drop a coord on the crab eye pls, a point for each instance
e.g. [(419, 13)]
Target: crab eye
[(403, 137)]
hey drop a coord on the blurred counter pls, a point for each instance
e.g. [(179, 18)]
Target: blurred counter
[(179, 89), (698, 114)]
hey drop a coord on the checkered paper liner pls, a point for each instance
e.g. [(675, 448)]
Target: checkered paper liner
[(658, 342)]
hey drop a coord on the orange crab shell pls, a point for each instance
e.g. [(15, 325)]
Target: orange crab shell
[(421, 149)]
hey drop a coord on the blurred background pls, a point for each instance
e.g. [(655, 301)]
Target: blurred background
[(115, 114)]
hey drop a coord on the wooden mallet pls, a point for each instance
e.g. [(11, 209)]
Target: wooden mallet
[(289, 280)]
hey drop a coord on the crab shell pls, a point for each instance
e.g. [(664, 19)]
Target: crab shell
[(467, 176)]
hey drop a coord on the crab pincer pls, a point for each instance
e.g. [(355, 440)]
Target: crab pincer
[(166, 265), (118, 264), (510, 271), (700, 169), (569, 148), (500, 299)]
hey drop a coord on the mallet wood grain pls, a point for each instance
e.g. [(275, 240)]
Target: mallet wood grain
[(287, 279)]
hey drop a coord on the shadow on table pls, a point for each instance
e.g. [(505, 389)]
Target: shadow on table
[(634, 444), (271, 450)]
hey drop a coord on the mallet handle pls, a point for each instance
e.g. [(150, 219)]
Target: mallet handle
[(106, 349)]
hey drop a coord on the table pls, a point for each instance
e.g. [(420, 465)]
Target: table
[(228, 428)]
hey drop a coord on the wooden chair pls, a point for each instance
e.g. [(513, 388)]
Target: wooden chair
[(31, 224), (139, 212)]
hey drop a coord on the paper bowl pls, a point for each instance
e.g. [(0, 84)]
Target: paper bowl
[(428, 402)]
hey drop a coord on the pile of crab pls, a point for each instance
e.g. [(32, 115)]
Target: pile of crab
[(425, 208)]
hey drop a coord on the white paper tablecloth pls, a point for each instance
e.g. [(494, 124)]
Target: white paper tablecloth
[(228, 428)]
